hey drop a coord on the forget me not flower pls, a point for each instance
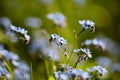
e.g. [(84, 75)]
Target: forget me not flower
[(87, 24)]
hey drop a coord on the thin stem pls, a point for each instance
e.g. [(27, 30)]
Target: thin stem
[(47, 68), (9, 69), (49, 71), (65, 57), (31, 71), (81, 32), (72, 49), (76, 38), (75, 65)]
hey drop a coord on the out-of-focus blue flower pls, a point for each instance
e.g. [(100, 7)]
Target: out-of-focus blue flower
[(77, 50), (5, 22), (21, 70), (4, 72), (33, 22), (105, 61), (8, 55), (68, 73), (58, 19), (100, 70), (61, 75), (115, 67), (81, 74), (21, 74), (104, 43), (96, 42)]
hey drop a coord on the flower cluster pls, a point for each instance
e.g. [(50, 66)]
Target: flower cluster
[(67, 73), (60, 41), (100, 70), (5, 22), (21, 33), (3, 71), (87, 24), (20, 72), (86, 53), (71, 73), (58, 19)]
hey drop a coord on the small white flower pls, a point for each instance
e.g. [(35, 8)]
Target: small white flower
[(13, 28), (87, 24), (84, 24), (87, 52), (90, 23), (62, 41), (23, 31), (27, 38), (54, 36), (59, 40)]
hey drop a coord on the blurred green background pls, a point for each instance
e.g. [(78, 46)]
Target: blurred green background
[(105, 14)]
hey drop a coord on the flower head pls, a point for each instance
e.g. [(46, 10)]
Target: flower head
[(80, 73), (97, 42), (60, 41), (87, 52), (21, 33), (100, 70), (58, 19), (54, 37), (87, 24)]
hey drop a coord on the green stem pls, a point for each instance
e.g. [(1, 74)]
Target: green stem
[(75, 65), (76, 38), (31, 71), (72, 49), (9, 69), (47, 68), (81, 32)]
